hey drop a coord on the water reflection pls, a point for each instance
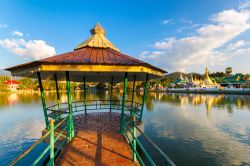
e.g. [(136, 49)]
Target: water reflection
[(193, 129), (228, 102), (201, 129)]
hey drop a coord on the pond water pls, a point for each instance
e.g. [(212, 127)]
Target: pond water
[(192, 129)]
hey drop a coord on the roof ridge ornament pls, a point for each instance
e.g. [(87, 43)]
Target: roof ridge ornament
[(97, 39), (98, 29)]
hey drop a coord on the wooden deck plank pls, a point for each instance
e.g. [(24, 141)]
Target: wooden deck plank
[(97, 142)]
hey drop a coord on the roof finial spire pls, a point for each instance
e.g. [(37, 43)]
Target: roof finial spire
[(207, 73), (97, 29), (97, 39)]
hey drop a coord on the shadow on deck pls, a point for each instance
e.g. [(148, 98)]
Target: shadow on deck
[(97, 142)]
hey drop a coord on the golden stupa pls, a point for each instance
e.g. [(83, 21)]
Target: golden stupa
[(208, 83)]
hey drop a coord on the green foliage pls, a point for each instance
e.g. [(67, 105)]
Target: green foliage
[(229, 70), (165, 82), (101, 86), (3, 87), (4, 78), (26, 83), (218, 74), (218, 79)]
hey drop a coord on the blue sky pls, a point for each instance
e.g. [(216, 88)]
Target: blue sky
[(177, 35)]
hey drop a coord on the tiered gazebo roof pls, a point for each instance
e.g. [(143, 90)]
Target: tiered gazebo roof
[(96, 58)]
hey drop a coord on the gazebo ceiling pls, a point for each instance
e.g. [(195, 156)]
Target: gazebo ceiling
[(96, 58)]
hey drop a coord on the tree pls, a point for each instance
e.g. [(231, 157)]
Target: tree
[(218, 74), (27, 83), (101, 85), (3, 87), (228, 70), (4, 78)]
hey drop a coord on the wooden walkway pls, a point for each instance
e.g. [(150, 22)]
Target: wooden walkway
[(97, 142)]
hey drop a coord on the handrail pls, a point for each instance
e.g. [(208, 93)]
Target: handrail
[(78, 106), (129, 118), (156, 147), (148, 157), (65, 103), (27, 151), (140, 145)]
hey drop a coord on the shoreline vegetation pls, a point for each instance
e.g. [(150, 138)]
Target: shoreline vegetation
[(219, 91), (236, 92), (176, 82)]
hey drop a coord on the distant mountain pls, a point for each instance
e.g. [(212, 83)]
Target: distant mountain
[(176, 75), (4, 73)]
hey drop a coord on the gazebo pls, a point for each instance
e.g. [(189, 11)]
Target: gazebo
[(94, 60)]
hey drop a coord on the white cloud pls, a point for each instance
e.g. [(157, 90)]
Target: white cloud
[(203, 48), (167, 21), (189, 27), (236, 45), (17, 33), (4, 26), (34, 49), (244, 4), (186, 21)]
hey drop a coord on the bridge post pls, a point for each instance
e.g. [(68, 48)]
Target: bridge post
[(84, 94), (57, 95), (123, 103), (111, 92), (133, 96), (52, 143), (134, 135), (43, 100), (71, 120), (144, 97)]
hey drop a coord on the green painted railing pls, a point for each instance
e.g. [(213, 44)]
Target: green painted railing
[(60, 115), (54, 133), (143, 157), (54, 112), (133, 115)]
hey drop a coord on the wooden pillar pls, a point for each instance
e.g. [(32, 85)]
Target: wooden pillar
[(111, 92), (43, 100), (133, 96), (71, 120), (84, 94), (122, 121), (57, 95), (144, 96)]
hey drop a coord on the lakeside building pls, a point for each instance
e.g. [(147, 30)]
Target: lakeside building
[(236, 81), (180, 82), (13, 85)]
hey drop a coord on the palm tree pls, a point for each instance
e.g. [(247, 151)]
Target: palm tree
[(228, 70)]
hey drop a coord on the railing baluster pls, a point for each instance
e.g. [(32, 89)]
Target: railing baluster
[(134, 135), (52, 142)]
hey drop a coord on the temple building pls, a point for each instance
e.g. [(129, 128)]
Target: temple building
[(236, 81), (207, 82), (195, 83), (180, 82)]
